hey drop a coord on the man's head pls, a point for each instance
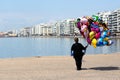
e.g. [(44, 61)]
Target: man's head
[(76, 39)]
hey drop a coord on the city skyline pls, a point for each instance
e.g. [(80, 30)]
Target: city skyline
[(20, 14)]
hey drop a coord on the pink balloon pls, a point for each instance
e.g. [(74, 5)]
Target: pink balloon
[(97, 30), (84, 21), (92, 29), (97, 35), (83, 27)]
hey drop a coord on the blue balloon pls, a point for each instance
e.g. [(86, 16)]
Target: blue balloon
[(94, 25), (100, 42), (104, 34), (105, 42)]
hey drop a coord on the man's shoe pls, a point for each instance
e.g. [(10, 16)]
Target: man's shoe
[(79, 69)]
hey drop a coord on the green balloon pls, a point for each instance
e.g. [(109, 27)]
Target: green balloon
[(95, 18)]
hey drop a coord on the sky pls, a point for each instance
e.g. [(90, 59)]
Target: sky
[(17, 14)]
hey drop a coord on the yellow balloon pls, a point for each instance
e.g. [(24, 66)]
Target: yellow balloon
[(106, 39), (92, 35), (94, 42)]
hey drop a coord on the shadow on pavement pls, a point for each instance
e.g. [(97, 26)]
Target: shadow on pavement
[(106, 68)]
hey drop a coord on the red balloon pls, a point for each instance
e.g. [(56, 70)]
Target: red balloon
[(97, 35)]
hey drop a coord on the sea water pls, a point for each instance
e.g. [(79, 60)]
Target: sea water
[(48, 46)]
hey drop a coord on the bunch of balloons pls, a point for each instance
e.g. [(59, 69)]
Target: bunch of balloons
[(94, 30)]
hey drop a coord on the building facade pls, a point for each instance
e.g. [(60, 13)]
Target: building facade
[(104, 16), (114, 21)]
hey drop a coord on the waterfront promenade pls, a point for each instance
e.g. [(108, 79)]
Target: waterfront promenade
[(95, 67)]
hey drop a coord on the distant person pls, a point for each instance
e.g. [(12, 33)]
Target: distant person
[(77, 52)]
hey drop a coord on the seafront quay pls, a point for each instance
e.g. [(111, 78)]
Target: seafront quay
[(94, 67)]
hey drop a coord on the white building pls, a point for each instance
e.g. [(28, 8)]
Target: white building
[(56, 28), (46, 30), (69, 27), (41, 30), (65, 28), (104, 16), (114, 21), (25, 32)]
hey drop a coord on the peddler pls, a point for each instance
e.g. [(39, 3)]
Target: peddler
[(94, 31)]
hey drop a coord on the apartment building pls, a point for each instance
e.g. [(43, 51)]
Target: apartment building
[(104, 16), (112, 18), (114, 21), (64, 28), (68, 28), (25, 32)]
